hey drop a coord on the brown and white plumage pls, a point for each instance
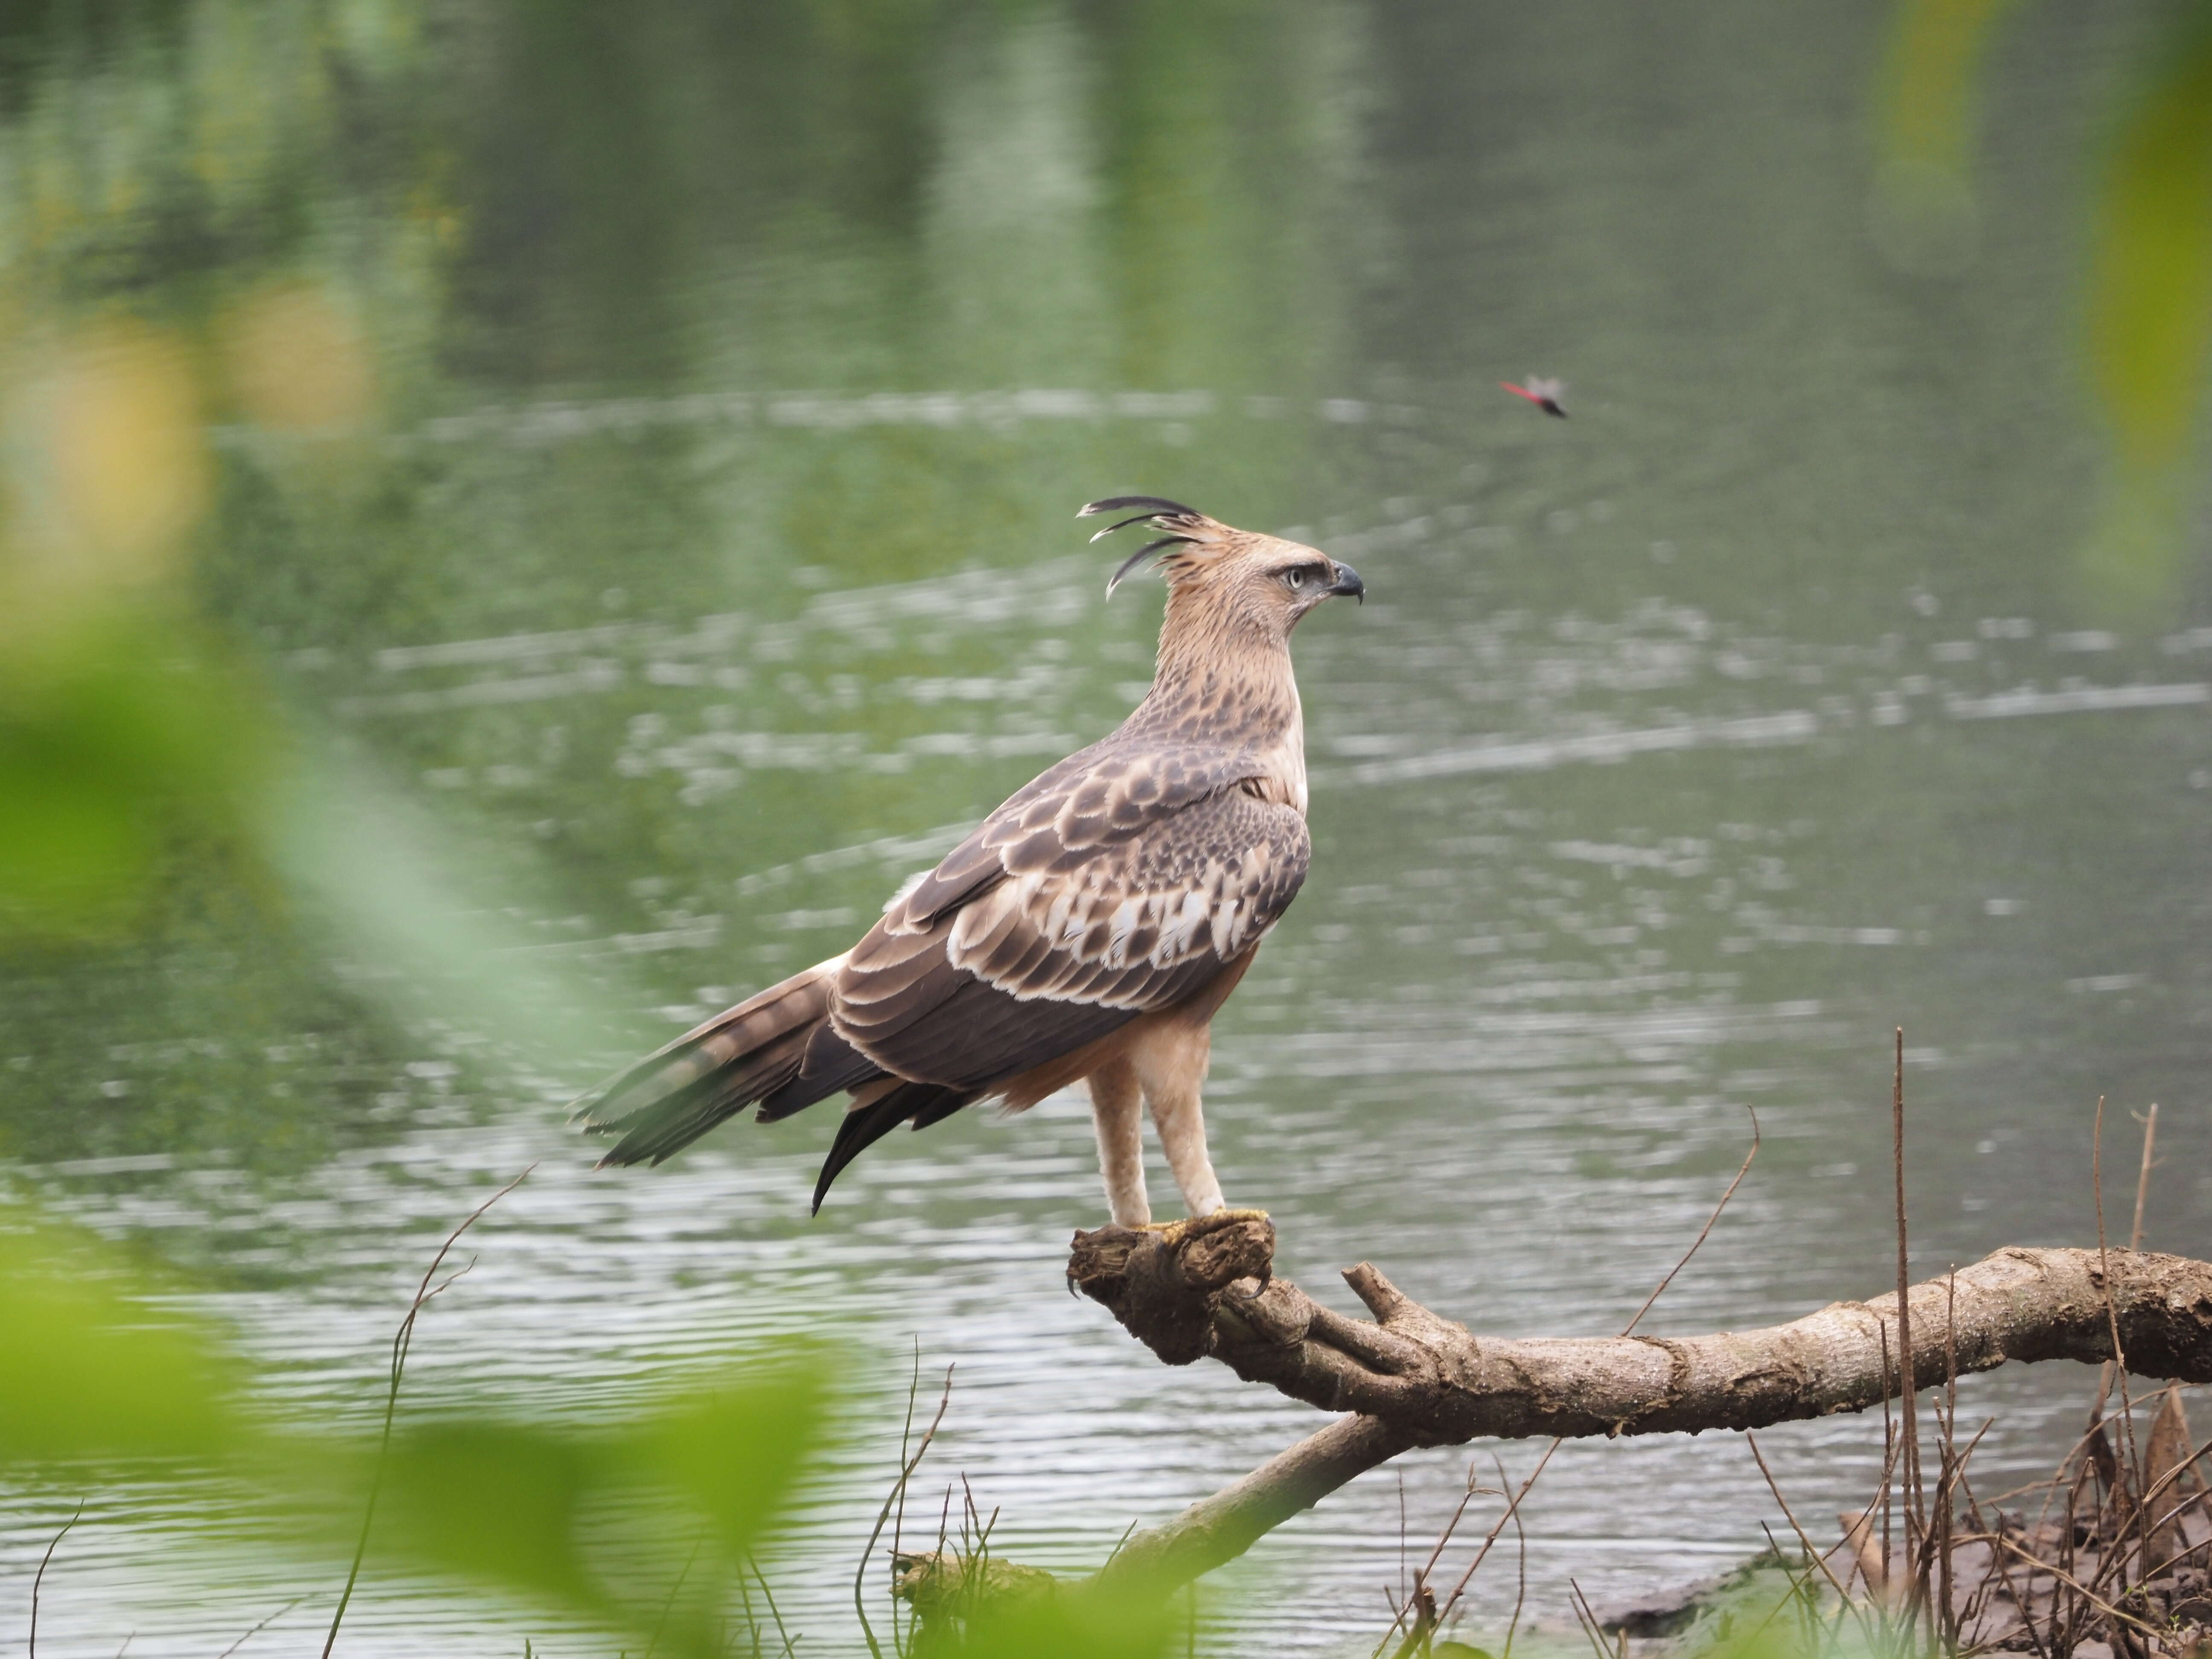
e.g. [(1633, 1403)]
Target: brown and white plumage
[(1087, 929)]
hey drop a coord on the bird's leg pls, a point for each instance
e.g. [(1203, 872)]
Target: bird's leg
[(1117, 1114), (1182, 1137), (1172, 1074)]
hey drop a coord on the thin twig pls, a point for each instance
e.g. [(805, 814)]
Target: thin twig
[(1520, 1577), (402, 1340), (668, 1605), (1423, 1605), (1401, 1535), (1935, 1547), (774, 1613), (1908, 1373), (752, 1621), (2105, 1607), (907, 1465), (1119, 1541), (258, 1628), (1885, 1493), (2131, 1466), (1397, 1622), (1819, 1558), (1983, 1528), (1997, 1561), (1443, 1540), (2135, 1243), (1513, 1506), (1794, 1597), (1586, 1616), (901, 1640), (2170, 1478), (1946, 1620), (39, 1580), (1451, 1526), (1629, 1329), (899, 1494), (2142, 1176)]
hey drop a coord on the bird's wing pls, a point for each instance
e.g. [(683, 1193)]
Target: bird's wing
[(1100, 893), (1110, 790)]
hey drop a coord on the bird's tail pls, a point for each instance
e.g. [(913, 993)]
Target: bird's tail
[(750, 1053)]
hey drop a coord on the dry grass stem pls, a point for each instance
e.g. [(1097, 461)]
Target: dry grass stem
[(897, 1496), (258, 1628), (38, 1579), (402, 1340)]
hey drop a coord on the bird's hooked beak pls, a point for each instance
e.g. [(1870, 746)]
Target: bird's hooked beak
[(1348, 585)]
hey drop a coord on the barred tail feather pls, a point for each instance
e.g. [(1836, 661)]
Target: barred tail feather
[(669, 1099)]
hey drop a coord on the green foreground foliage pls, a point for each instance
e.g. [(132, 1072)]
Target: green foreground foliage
[(644, 1526)]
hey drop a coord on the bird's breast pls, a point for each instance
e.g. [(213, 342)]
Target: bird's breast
[(1289, 758)]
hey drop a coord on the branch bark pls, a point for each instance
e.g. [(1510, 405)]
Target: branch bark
[(1412, 1377)]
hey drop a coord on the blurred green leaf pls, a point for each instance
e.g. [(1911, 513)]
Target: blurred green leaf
[(495, 1501), (735, 1450), (980, 1605), (1922, 212), (1935, 53), (89, 1370), (2150, 321), (596, 1520), (1080, 1626), (115, 739), (503, 1502), (411, 896)]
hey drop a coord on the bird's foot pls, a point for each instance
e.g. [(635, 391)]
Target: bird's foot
[(1173, 1233)]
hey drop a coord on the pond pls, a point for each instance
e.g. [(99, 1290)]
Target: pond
[(644, 442)]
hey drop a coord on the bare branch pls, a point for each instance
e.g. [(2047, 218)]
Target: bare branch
[(1219, 1528), (1412, 1377)]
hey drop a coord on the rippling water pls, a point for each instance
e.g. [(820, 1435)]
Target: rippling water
[(702, 566)]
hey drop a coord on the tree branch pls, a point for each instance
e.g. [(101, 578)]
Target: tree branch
[(1411, 1377), (1216, 1530)]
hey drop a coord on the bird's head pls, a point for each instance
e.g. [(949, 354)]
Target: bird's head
[(1257, 579)]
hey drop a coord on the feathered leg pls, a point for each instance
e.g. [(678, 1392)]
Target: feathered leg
[(1172, 1069), (1117, 1114)]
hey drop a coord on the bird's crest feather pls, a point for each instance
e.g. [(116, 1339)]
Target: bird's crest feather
[(1185, 526)]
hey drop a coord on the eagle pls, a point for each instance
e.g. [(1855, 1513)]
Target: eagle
[(1087, 931)]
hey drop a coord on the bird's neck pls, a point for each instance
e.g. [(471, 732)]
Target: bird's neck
[(1222, 677)]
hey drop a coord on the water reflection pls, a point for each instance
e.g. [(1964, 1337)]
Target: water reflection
[(679, 509)]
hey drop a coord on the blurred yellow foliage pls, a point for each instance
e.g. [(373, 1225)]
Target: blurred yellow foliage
[(2150, 325), (1936, 48), (1922, 214), (2149, 322), (107, 463), (297, 361), (123, 724)]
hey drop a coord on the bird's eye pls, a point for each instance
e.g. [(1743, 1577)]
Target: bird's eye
[(1295, 579)]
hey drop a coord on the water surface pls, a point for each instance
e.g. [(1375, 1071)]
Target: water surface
[(703, 563)]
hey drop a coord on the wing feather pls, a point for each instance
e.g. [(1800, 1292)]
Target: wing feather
[(1077, 942)]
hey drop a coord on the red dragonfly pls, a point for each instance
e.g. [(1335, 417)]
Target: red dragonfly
[(1544, 394)]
